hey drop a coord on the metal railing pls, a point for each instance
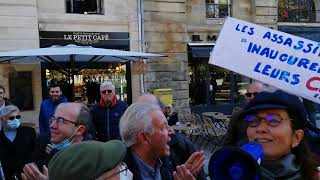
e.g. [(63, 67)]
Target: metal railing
[(297, 15)]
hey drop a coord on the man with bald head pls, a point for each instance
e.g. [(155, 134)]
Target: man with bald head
[(68, 126)]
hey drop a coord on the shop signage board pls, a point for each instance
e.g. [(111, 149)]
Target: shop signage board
[(285, 61), (107, 40)]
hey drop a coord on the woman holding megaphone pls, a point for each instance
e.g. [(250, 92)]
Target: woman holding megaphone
[(276, 148), (277, 121)]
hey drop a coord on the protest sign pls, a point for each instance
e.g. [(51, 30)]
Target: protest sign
[(285, 61)]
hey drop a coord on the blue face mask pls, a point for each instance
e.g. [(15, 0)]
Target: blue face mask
[(65, 143), (13, 124)]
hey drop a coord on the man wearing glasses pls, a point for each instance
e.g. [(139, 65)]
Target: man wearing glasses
[(253, 89), (68, 126), (47, 109), (106, 114), (236, 133)]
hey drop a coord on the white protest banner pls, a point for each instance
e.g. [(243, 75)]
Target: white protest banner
[(285, 61)]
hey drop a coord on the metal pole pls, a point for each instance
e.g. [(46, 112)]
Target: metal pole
[(141, 39)]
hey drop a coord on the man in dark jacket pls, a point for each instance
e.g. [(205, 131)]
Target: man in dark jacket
[(182, 151), (145, 130), (236, 134), (106, 114), (69, 125), (48, 108)]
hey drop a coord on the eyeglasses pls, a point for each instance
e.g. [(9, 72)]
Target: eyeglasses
[(14, 117), (272, 120), (60, 120), (250, 94), (123, 169), (109, 91)]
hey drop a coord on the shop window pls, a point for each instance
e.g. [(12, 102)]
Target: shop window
[(84, 84), (20, 84), (84, 6), (218, 8), (296, 11)]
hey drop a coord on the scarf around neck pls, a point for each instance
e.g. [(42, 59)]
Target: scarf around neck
[(285, 168)]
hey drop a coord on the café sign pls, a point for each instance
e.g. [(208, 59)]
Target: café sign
[(108, 40), (86, 38)]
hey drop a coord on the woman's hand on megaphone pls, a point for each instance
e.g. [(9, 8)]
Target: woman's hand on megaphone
[(195, 162), (183, 173)]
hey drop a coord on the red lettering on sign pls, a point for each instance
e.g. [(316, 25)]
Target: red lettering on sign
[(309, 86)]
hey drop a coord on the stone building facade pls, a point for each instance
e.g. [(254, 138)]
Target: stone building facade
[(170, 27)]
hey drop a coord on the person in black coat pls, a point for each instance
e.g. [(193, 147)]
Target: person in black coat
[(181, 150), (17, 143), (106, 114), (172, 117)]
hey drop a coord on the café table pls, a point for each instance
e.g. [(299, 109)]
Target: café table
[(218, 117), (184, 127)]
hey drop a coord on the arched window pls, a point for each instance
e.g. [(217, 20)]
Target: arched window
[(296, 11)]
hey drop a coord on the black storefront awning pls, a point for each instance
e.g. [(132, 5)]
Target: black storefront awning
[(200, 50)]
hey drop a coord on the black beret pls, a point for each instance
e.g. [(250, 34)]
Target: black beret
[(278, 100)]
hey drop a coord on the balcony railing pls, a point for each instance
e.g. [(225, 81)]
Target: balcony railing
[(217, 10), (298, 15)]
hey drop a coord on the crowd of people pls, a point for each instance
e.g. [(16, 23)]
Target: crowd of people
[(114, 141)]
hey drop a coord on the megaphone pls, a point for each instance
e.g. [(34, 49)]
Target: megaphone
[(235, 163)]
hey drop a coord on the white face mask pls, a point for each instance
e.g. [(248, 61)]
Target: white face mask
[(126, 175)]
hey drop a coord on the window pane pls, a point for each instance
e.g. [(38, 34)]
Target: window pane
[(84, 6), (21, 90), (296, 11), (218, 8)]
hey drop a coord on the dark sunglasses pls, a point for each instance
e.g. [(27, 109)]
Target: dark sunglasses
[(109, 91), (14, 117), (250, 94)]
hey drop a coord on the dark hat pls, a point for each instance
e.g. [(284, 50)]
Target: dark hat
[(86, 160), (278, 100)]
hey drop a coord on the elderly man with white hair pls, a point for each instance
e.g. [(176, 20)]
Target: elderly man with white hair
[(17, 142), (145, 130), (106, 114)]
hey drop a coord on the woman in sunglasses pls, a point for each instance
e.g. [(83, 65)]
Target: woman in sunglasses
[(17, 143), (277, 121), (172, 117)]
